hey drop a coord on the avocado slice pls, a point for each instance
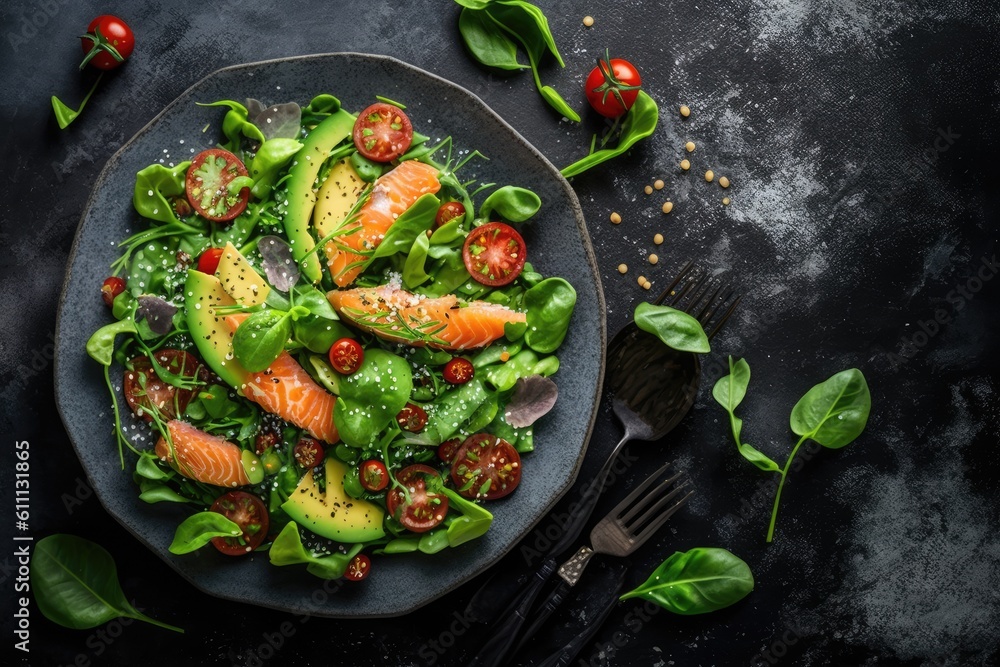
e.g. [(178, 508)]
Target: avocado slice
[(239, 279), (338, 195), (212, 336), (300, 195), (334, 514)]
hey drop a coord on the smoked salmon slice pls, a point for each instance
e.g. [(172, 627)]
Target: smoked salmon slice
[(393, 193), (285, 389), (395, 314), (202, 456)]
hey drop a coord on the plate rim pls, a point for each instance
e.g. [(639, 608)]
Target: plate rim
[(588, 252)]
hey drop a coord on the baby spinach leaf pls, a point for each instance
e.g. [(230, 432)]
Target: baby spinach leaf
[(474, 4), (512, 203), (287, 549), (155, 186), (454, 409), (66, 115), (260, 339), (697, 581), (315, 301), (473, 523), (414, 221), (834, 412), (235, 124), (101, 344), (549, 306), (158, 492), (198, 530), (318, 334), (279, 264), (272, 156), (371, 397), (729, 392), (448, 233), (527, 12), (640, 121), (367, 170), (487, 44), (278, 121), (75, 583), (674, 327), (413, 269), (323, 104)]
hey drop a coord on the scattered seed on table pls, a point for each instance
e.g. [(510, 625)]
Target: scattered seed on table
[(648, 189), (658, 184), (709, 175), (588, 21), (653, 259), (641, 280), (622, 268), (689, 146), (658, 239), (668, 206), (685, 111), (724, 182), (725, 201), (504, 356), (615, 219), (647, 285), (685, 165)]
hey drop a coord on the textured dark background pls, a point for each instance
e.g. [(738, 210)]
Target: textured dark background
[(860, 139)]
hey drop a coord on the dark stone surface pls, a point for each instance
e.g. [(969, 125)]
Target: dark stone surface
[(860, 139)]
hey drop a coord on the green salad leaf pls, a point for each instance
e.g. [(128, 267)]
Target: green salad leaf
[(511, 203), (287, 549), (697, 581), (371, 397), (674, 327), (155, 186), (729, 392), (549, 306), (198, 530), (640, 121)]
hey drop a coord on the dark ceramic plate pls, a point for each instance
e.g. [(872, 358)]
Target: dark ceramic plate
[(558, 245)]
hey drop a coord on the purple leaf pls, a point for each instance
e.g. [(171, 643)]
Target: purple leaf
[(280, 267), (159, 314), (277, 120), (533, 397), (254, 108)]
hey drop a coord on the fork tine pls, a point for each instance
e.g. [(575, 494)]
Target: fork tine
[(647, 499), (680, 276), (693, 285), (630, 498), (714, 303), (653, 508), (725, 316), (650, 529), (707, 302)]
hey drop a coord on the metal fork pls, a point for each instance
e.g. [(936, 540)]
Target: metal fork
[(623, 530)]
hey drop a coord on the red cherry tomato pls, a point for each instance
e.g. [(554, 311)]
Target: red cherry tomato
[(111, 288), (108, 42), (346, 355), (448, 211), (423, 509), (612, 90), (412, 418), (208, 262), (486, 467), (249, 513), (494, 254), (382, 132), (207, 185), (144, 389), (458, 371), (308, 452), (358, 568), (448, 449), (373, 475)]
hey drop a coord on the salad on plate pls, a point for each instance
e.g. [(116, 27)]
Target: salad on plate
[(331, 344)]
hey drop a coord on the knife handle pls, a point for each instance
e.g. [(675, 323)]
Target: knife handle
[(565, 655)]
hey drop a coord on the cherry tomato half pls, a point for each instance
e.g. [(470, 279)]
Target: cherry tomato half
[(612, 90), (486, 467), (358, 568), (448, 211), (494, 254), (448, 449), (346, 356), (208, 261), (424, 509), (143, 388), (458, 371), (382, 132), (249, 513), (412, 418), (373, 475), (308, 452), (111, 288), (207, 185), (108, 42)]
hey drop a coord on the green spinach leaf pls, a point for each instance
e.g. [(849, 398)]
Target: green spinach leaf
[(729, 392), (198, 530), (272, 156), (155, 186), (640, 121), (674, 327), (512, 203), (414, 221), (287, 549), (261, 338), (487, 44), (101, 345), (235, 124), (834, 412), (371, 397), (75, 583), (549, 306), (414, 273), (697, 581)]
